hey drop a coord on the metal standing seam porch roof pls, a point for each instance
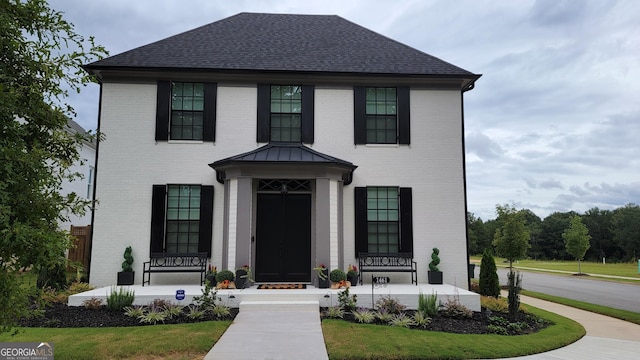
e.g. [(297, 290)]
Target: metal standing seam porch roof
[(283, 153)]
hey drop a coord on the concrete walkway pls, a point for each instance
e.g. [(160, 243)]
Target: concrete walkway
[(273, 330), (607, 338), (286, 330)]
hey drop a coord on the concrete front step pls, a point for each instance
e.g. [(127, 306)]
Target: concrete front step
[(279, 305)]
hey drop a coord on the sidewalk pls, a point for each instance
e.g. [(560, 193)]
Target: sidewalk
[(607, 338), (282, 330)]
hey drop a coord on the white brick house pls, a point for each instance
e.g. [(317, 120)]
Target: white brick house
[(280, 142)]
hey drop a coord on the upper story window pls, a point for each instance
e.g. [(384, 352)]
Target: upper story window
[(286, 110), (381, 112), (381, 115), (186, 111), (285, 113)]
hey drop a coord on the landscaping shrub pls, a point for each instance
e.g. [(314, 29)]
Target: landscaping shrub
[(515, 286), (489, 282), (428, 304), (389, 305), (337, 275), (346, 302), (225, 275), (454, 309), (118, 300)]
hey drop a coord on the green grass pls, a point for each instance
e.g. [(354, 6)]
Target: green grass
[(347, 340), (619, 269), (185, 341), (630, 316)]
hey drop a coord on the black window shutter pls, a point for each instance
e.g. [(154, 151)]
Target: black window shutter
[(264, 113), (163, 110), (158, 208), (404, 116), (360, 115), (206, 219), (209, 115), (307, 113), (406, 221), (361, 227)]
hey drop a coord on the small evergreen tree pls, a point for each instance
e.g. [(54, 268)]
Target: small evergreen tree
[(515, 286), (489, 283)]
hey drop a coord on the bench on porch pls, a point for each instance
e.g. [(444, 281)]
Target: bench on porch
[(393, 262), (175, 263)]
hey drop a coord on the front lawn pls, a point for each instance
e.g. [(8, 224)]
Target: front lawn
[(347, 340)]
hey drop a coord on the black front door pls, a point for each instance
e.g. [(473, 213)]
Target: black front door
[(283, 238)]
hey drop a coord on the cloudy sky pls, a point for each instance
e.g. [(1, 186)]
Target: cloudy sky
[(552, 125)]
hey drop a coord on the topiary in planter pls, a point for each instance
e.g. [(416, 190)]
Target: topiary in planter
[(225, 275), (435, 260), (128, 260), (337, 275)]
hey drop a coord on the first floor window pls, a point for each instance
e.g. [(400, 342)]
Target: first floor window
[(383, 219), (383, 216), (181, 218)]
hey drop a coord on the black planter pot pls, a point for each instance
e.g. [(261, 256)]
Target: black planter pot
[(353, 279), (324, 283), (241, 278), (126, 278), (211, 278), (434, 277)]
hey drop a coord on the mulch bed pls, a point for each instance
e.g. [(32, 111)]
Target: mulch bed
[(63, 316), (58, 315)]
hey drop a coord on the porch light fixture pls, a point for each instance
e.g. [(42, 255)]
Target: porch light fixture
[(283, 189)]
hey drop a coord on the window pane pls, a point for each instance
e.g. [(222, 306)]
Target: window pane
[(188, 105), (285, 101)]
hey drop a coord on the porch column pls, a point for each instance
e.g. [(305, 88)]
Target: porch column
[(243, 223), (327, 235), (238, 217)]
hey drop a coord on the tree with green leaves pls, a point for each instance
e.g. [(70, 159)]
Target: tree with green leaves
[(40, 61), (511, 240), (489, 282), (576, 239), (626, 230)]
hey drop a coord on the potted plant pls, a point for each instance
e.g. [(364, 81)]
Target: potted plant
[(352, 275), (224, 280), (434, 274), (211, 274), (243, 277), (323, 276), (126, 276), (338, 279)]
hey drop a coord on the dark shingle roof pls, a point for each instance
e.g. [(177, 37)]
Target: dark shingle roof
[(280, 42)]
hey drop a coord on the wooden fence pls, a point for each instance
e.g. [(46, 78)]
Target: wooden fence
[(81, 249)]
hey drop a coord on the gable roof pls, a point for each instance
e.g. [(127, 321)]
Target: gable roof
[(282, 42)]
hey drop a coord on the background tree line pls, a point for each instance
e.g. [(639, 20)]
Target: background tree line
[(615, 234)]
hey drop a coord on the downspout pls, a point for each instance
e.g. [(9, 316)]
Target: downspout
[(469, 86), (95, 183)]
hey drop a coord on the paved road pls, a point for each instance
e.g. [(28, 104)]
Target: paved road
[(606, 293)]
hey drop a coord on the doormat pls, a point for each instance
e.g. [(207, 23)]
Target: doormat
[(282, 286)]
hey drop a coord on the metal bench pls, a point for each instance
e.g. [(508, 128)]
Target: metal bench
[(393, 262), (175, 263)]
